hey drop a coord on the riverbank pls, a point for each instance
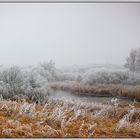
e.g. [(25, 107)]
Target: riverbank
[(68, 119), (105, 90)]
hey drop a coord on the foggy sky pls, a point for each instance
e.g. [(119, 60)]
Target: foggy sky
[(68, 33)]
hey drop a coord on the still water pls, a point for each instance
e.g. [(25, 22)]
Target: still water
[(64, 95)]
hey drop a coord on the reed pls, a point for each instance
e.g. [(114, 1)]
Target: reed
[(113, 90)]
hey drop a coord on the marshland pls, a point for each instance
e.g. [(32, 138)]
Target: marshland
[(43, 101), (69, 70)]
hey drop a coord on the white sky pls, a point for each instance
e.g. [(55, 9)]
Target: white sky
[(68, 33)]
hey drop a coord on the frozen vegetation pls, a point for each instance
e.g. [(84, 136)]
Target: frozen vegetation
[(27, 108), (34, 82), (69, 118)]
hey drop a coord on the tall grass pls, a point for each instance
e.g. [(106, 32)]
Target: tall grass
[(69, 118)]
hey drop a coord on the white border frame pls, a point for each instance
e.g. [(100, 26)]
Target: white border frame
[(69, 1)]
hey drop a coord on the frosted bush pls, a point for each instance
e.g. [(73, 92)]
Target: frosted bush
[(103, 75), (109, 77), (32, 81), (67, 76)]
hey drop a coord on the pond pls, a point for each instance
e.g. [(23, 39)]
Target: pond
[(66, 95)]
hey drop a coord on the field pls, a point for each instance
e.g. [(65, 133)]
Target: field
[(57, 118)]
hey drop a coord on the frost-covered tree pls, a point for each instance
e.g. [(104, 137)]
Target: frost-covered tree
[(35, 85), (48, 70), (12, 80), (131, 59), (31, 82), (137, 61)]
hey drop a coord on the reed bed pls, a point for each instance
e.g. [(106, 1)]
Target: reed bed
[(113, 90)]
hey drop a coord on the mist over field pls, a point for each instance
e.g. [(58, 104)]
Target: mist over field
[(70, 70)]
